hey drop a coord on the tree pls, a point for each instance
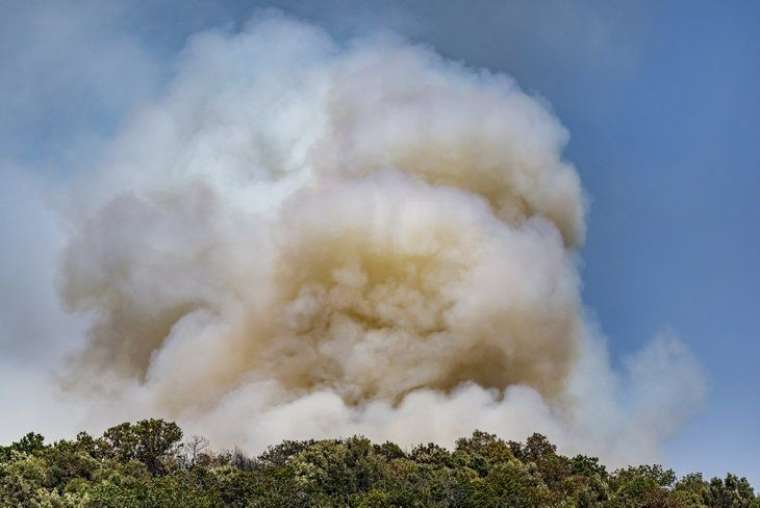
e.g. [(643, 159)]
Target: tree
[(142, 465), (149, 441), (731, 492), (31, 443), (194, 450)]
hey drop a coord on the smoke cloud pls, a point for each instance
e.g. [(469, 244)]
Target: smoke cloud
[(306, 239)]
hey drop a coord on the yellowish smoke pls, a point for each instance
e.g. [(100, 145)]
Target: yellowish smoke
[(302, 239)]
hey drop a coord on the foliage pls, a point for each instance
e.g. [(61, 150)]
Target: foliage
[(146, 465)]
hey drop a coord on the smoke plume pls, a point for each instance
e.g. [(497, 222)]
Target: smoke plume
[(304, 239)]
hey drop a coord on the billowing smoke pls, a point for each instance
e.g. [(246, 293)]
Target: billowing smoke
[(307, 239)]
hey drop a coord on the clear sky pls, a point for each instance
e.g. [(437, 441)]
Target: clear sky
[(661, 99)]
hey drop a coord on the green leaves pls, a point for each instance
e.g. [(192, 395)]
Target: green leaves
[(148, 441), (144, 465)]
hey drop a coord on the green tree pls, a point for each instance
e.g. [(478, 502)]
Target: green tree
[(731, 492), (142, 465), (152, 442)]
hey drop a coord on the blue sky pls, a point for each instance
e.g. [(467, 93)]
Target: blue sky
[(661, 100)]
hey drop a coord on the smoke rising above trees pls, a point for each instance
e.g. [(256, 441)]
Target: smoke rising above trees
[(308, 239)]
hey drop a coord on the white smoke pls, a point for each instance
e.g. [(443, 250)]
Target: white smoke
[(307, 239)]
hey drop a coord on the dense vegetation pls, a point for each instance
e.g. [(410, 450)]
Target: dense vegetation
[(147, 464)]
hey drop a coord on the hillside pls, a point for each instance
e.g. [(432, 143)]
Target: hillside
[(148, 464)]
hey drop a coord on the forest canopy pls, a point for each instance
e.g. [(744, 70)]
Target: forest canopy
[(151, 464)]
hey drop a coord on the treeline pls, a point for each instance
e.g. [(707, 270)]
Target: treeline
[(148, 464)]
